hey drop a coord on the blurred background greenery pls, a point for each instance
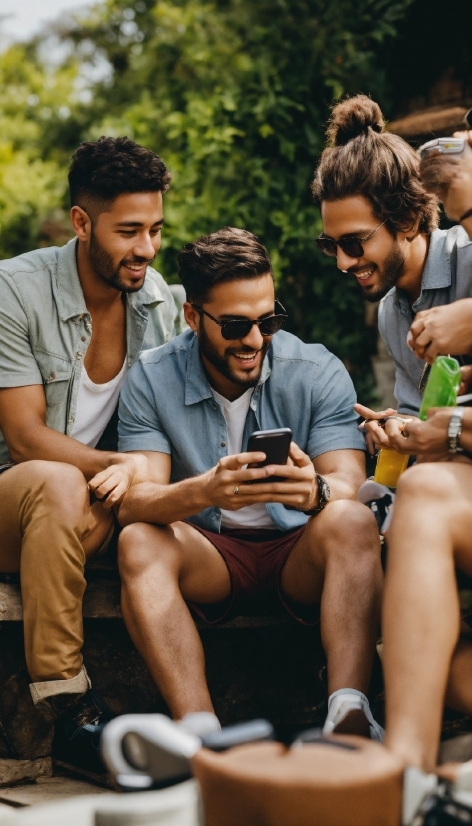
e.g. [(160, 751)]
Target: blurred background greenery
[(233, 94)]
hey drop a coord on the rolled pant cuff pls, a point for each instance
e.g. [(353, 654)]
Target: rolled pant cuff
[(49, 688)]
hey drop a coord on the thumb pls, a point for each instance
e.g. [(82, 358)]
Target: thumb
[(299, 458)]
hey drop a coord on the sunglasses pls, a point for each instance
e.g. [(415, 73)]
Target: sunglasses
[(351, 246), (237, 328)]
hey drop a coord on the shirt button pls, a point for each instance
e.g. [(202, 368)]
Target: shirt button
[(71, 419), (52, 377), (78, 355), (223, 444), (214, 405), (83, 338)]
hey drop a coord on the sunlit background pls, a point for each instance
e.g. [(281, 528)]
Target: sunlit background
[(234, 95)]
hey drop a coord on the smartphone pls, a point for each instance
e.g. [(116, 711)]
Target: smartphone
[(275, 444), (445, 146)]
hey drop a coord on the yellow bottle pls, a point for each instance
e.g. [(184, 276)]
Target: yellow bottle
[(390, 466)]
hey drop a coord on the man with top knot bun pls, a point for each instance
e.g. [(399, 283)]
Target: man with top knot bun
[(380, 224)]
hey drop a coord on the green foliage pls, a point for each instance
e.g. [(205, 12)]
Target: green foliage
[(233, 95)]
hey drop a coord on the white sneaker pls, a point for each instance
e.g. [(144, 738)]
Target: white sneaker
[(354, 716)]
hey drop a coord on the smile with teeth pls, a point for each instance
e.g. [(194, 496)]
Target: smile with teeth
[(363, 274), (246, 357)]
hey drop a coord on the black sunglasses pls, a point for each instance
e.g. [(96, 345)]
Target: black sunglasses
[(237, 328), (351, 246)]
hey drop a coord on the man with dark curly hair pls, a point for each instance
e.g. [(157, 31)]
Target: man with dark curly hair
[(380, 224), (72, 321)]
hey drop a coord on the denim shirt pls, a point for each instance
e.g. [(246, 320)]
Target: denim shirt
[(167, 405), (45, 327), (447, 276)]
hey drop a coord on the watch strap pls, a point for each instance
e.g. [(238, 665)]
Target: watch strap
[(325, 495), (454, 430)]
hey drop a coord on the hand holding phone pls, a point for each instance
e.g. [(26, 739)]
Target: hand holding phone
[(275, 444)]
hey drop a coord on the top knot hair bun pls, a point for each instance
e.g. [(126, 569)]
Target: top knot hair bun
[(351, 118)]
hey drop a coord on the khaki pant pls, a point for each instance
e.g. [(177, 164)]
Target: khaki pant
[(47, 530)]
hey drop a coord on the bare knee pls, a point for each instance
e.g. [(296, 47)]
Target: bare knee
[(142, 546), (349, 524), (424, 482)]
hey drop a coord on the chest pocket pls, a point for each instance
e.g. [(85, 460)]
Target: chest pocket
[(56, 373)]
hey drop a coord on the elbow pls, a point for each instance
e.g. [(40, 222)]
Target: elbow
[(18, 453)]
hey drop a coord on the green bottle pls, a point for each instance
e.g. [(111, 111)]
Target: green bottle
[(442, 386)]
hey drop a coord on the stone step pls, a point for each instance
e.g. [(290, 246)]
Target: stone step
[(47, 789), (15, 771)]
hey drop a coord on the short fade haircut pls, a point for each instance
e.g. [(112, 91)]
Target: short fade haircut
[(102, 170), (227, 255), (362, 159)]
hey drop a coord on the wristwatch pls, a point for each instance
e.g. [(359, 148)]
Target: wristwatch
[(325, 496), (454, 430)]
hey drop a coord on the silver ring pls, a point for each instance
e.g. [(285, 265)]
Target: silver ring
[(236, 489)]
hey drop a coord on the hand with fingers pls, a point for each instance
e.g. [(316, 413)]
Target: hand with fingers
[(111, 484), (232, 485), (428, 440), (373, 426), (450, 178), (442, 330)]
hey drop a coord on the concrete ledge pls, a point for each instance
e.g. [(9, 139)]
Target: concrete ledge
[(17, 771), (102, 601)]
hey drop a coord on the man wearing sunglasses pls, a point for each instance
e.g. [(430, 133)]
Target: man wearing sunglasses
[(380, 224), (211, 530)]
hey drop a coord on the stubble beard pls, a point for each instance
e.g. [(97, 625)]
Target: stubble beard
[(221, 363), (392, 270), (102, 264)]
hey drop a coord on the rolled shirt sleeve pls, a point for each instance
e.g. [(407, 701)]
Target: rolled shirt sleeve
[(18, 366), (139, 427), (334, 422)]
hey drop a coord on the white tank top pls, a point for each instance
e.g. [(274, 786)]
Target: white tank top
[(253, 516), (95, 406)]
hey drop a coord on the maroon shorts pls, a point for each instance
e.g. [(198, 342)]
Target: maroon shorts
[(255, 559)]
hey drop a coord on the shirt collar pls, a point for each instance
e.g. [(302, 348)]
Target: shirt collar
[(69, 291), (197, 386), (437, 268)]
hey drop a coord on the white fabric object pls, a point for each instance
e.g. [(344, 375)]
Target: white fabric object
[(343, 701), (178, 805), (370, 492), (253, 516), (200, 723), (95, 406)]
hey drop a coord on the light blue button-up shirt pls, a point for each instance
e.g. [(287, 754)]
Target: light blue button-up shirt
[(167, 405), (447, 276), (45, 327)]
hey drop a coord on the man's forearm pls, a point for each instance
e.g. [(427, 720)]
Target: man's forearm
[(49, 445), (162, 504)]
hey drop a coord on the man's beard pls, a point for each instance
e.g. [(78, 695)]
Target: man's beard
[(102, 263), (221, 363), (392, 270)]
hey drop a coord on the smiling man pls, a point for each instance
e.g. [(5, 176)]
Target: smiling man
[(380, 225), (72, 322), (211, 531)]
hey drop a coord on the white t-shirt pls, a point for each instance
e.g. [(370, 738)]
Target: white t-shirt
[(253, 516), (95, 406)]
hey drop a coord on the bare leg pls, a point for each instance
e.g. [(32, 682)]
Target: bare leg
[(459, 686), (160, 568), (430, 532), (337, 561)]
